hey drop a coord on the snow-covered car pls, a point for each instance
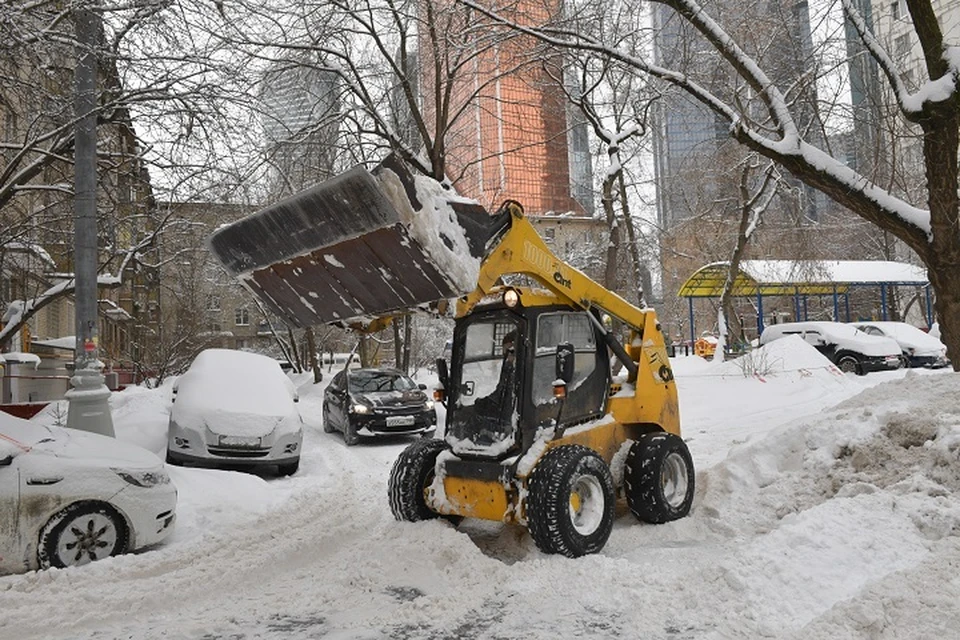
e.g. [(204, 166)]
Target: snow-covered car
[(919, 349), (377, 402), (846, 346), (69, 497), (234, 408)]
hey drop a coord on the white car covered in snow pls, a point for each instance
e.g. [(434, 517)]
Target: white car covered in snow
[(846, 346), (235, 408), (919, 348), (69, 497)]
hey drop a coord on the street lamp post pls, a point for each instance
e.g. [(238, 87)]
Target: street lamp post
[(89, 409)]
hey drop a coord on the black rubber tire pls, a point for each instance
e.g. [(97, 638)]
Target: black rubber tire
[(570, 502), (411, 475), (81, 533), (659, 478), (350, 436), (288, 469), (325, 420), (849, 364)]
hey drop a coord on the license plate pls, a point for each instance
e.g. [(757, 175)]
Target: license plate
[(399, 421), (239, 441)]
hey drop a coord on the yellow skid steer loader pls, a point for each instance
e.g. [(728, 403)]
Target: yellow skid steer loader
[(539, 431)]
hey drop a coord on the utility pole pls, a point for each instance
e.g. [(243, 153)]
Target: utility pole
[(89, 409)]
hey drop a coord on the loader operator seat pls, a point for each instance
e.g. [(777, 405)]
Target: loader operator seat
[(499, 402)]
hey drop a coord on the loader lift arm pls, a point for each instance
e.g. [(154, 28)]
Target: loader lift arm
[(521, 250)]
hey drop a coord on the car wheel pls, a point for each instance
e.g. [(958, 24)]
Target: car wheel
[(849, 364), (350, 436), (570, 502), (81, 533), (658, 478), (289, 469), (327, 427), (411, 477)]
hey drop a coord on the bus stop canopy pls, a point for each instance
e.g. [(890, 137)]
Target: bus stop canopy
[(800, 277), (758, 279)]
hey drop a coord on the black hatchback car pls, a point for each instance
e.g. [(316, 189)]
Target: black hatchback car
[(376, 402)]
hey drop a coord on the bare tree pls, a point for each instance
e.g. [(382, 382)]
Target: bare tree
[(752, 207)]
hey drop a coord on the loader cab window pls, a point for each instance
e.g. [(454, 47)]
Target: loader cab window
[(586, 393), (485, 395)]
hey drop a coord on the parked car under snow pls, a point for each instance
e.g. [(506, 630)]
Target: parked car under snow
[(846, 346), (234, 408), (69, 497), (919, 349), (376, 402)]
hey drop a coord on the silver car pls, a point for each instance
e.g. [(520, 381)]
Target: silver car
[(234, 408)]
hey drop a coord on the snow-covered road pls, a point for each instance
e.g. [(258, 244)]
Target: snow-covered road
[(811, 521)]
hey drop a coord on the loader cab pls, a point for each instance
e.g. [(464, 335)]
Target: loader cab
[(500, 391)]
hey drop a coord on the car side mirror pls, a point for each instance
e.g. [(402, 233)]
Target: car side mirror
[(6, 461), (422, 387), (443, 374), (565, 362)]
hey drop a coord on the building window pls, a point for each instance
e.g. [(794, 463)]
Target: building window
[(901, 46), (213, 302), (898, 9), (214, 326), (243, 318), (549, 234)]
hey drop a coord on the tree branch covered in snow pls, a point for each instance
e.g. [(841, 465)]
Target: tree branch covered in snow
[(929, 231)]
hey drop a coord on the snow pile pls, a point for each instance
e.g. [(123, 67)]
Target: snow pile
[(790, 354), (140, 416), (862, 493), (755, 389), (435, 227)]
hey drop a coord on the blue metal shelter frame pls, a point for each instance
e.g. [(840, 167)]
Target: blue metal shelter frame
[(802, 279)]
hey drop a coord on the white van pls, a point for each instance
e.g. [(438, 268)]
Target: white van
[(849, 348)]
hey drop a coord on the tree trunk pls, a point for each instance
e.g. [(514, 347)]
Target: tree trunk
[(633, 246), (312, 355), (397, 344), (613, 244), (294, 352), (407, 336)]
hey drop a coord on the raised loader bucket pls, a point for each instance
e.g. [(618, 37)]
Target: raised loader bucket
[(358, 246)]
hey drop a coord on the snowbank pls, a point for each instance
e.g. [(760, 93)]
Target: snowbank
[(828, 506)]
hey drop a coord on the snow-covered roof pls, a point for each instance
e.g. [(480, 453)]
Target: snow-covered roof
[(788, 277), (66, 342)]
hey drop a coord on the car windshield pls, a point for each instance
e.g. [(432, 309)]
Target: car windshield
[(373, 381)]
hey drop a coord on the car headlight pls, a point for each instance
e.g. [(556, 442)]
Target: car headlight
[(359, 408), (427, 405), (143, 478)]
